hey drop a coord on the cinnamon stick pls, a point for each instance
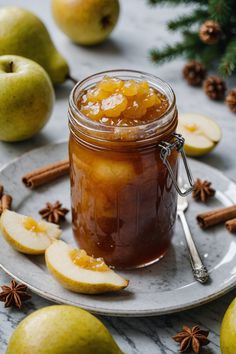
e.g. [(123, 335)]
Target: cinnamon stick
[(5, 203), (214, 217), (46, 174), (231, 225)]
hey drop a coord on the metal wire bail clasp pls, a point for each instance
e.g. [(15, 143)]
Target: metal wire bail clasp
[(166, 149)]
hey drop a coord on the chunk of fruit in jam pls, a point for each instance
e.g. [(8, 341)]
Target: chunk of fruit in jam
[(113, 101), (135, 110), (92, 110), (130, 88), (113, 172), (110, 84), (97, 94), (143, 88), (114, 105)]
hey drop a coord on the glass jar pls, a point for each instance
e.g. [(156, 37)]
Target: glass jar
[(123, 180)]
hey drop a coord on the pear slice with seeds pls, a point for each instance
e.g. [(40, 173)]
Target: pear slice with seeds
[(27, 235), (78, 272)]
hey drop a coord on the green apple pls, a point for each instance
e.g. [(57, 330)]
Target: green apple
[(26, 98), (86, 22), (61, 329), (228, 330)]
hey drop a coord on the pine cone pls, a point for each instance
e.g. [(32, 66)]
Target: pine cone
[(194, 73), (231, 100), (214, 87), (210, 32)]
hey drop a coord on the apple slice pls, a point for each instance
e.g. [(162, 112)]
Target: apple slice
[(78, 272), (201, 133), (26, 234)]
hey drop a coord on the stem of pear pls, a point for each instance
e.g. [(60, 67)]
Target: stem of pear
[(73, 79), (11, 67)]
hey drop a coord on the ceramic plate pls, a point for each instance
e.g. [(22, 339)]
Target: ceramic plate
[(165, 287)]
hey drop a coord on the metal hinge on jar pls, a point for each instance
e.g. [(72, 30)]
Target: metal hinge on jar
[(166, 150)]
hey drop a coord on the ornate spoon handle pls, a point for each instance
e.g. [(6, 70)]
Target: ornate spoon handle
[(199, 270)]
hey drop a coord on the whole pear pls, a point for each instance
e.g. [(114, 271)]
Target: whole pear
[(86, 22), (24, 34), (26, 98), (228, 330), (61, 329)]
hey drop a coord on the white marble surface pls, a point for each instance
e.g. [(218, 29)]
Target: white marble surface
[(139, 29)]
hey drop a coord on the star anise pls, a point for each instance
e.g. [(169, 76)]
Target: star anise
[(192, 339), (202, 190), (14, 294), (53, 212)]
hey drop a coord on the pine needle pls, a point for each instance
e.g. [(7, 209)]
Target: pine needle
[(219, 11), (228, 62), (175, 2), (198, 15)]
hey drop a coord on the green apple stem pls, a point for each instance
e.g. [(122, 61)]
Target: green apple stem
[(73, 79)]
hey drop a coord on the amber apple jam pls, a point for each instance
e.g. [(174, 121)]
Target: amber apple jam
[(123, 198)]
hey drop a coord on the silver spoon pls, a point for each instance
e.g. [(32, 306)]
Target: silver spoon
[(199, 270)]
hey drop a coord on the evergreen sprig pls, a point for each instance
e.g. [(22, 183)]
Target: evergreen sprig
[(187, 47), (191, 47), (188, 20), (168, 53), (228, 61), (174, 2), (219, 10)]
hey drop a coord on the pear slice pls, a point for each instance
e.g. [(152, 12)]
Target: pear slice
[(78, 272), (27, 235), (201, 133)]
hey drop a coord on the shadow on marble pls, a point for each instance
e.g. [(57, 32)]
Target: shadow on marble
[(23, 146), (110, 47), (215, 160), (63, 91), (207, 351)]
